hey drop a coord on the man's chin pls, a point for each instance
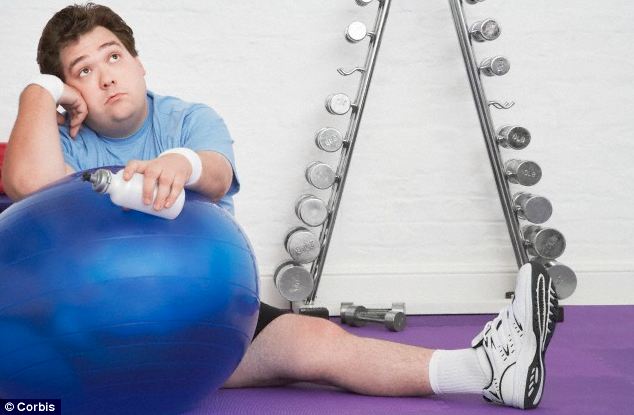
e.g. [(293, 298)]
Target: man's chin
[(119, 120), (116, 126)]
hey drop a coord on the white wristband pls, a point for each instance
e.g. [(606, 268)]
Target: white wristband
[(51, 83), (194, 160)]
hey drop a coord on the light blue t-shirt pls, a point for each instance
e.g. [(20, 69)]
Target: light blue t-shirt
[(170, 123)]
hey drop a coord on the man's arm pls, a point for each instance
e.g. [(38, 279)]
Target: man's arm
[(34, 158), (216, 177)]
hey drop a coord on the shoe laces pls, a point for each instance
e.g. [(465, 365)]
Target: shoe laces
[(500, 335)]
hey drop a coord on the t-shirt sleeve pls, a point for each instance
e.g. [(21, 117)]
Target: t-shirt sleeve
[(205, 130), (68, 150)]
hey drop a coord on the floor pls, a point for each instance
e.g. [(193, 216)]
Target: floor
[(590, 370)]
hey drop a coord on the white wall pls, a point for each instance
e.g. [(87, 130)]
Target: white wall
[(420, 219)]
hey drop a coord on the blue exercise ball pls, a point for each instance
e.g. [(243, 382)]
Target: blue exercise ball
[(115, 311)]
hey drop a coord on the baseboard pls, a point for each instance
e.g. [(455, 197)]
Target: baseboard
[(451, 292)]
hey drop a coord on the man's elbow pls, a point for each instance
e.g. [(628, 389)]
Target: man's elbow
[(16, 191), (17, 187), (220, 188), (217, 176)]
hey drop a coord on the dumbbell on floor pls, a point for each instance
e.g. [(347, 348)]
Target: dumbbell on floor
[(395, 307), (359, 316)]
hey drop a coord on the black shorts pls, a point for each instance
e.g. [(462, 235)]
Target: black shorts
[(267, 314)]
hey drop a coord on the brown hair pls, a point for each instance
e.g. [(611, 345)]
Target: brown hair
[(71, 22)]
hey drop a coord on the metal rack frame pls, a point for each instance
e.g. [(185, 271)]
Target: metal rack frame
[(351, 135), (488, 130)]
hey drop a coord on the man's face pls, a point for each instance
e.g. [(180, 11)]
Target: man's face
[(110, 80)]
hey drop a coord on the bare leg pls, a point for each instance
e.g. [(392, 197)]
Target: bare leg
[(306, 349)]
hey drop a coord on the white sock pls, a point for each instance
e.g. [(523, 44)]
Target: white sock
[(458, 371)]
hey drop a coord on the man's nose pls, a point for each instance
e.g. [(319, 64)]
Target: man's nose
[(107, 79)]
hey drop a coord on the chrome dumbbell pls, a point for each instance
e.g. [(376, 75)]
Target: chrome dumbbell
[(547, 243), (302, 245), (526, 173), (329, 139), (395, 307), (485, 30), (513, 137), (358, 316), (293, 281), (564, 279), (364, 2), (356, 32), (533, 208), (311, 210), (394, 318), (474, 1), (338, 104), (495, 66), (320, 175)]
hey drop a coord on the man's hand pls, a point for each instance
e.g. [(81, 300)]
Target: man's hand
[(168, 173), (76, 106)]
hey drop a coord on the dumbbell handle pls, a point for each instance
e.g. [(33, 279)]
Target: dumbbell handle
[(379, 312), (396, 321), (370, 317), (395, 307)]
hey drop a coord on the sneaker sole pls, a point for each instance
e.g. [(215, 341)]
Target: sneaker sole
[(541, 309)]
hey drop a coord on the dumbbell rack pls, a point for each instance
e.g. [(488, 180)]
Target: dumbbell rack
[(353, 127), (297, 284), (545, 244), (337, 104)]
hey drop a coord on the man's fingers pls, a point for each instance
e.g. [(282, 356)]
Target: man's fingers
[(149, 184), (60, 119), (75, 124), (76, 107), (163, 180), (164, 190), (82, 111), (177, 188), (133, 166)]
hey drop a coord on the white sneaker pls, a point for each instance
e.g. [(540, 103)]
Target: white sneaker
[(515, 341)]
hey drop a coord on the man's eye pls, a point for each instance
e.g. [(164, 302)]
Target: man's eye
[(84, 72), (114, 57)]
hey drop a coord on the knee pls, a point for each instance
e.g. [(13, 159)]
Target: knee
[(320, 330), (316, 344)]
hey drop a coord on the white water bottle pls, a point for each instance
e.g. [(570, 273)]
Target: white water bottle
[(129, 194)]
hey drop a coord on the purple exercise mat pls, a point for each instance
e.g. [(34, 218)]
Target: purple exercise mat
[(589, 370)]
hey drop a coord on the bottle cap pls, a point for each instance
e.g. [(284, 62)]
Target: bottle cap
[(100, 179)]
